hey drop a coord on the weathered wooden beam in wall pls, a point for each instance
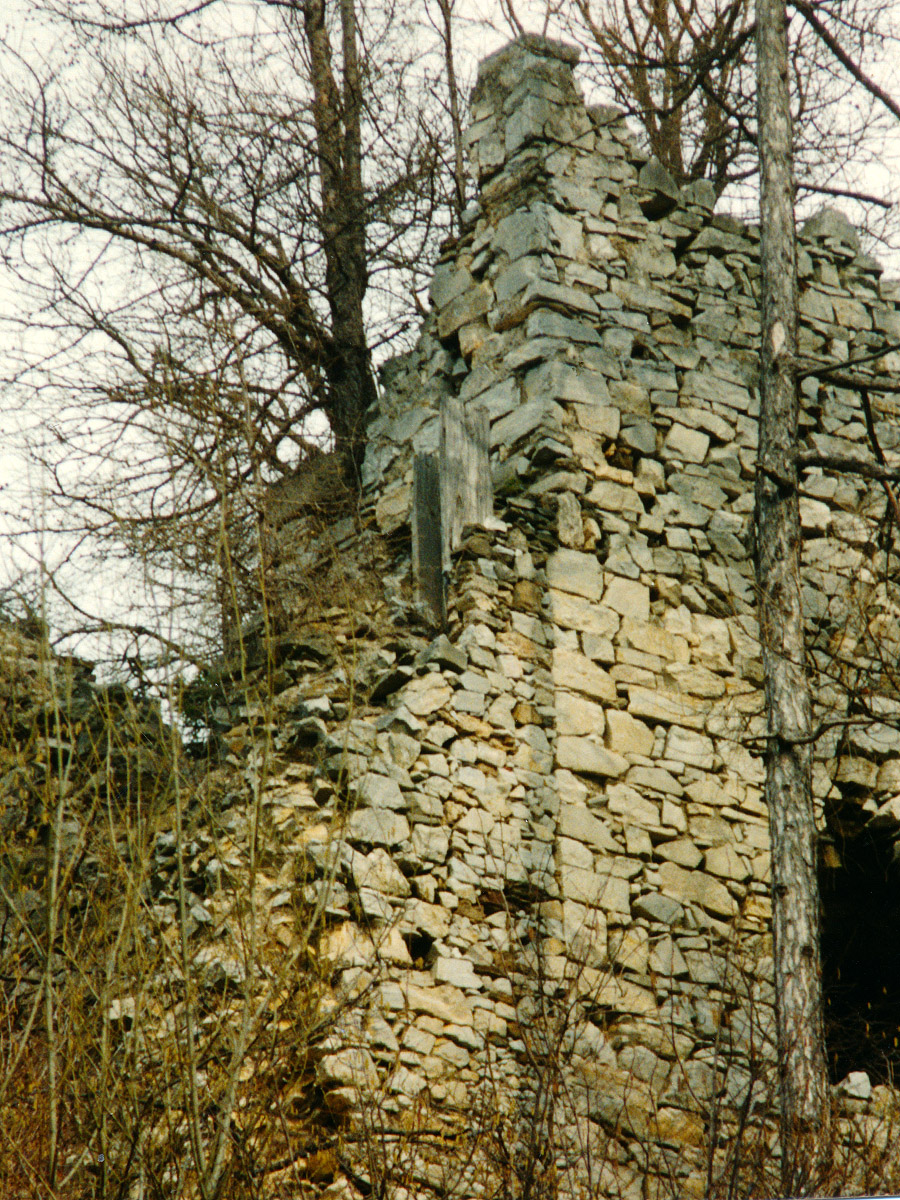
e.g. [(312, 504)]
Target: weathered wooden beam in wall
[(427, 537), (466, 492), (451, 489)]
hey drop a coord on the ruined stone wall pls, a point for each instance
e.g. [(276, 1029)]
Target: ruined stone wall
[(555, 824)]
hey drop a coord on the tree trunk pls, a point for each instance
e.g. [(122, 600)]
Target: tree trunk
[(337, 116), (795, 894)]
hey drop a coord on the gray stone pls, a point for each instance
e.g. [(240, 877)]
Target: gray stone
[(654, 177), (520, 422), (430, 843), (464, 309), (377, 791), (378, 872), (687, 444), (656, 907), (558, 381), (458, 972), (697, 887), (828, 224), (576, 821), (547, 324), (377, 827)]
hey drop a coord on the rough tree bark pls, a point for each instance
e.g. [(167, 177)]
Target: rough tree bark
[(337, 116), (795, 894)]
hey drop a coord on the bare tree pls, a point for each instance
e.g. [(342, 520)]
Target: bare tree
[(215, 216), (686, 73), (795, 894)]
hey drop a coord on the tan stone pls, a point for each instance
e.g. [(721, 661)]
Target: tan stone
[(574, 612), (588, 758), (677, 708), (725, 862), (629, 948), (628, 597), (577, 821), (690, 445), (698, 681), (653, 639), (446, 1003), (393, 507), (698, 888), (575, 572), (378, 871), (682, 851), (628, 803), (580, 674), (626, 735), (426, 694), (597, 888), (576, 716), (612, 497)]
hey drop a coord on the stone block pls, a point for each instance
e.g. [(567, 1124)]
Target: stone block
[(626, 735), (596, 888), (464, 309), (681, 851), (689, 445), (586, 616), (558, 381), (378, 872), (628, 597), (577, 821), (653, 639), (578, 673), (613, 497), (674, 708), (572, 853), (378, 791), (548, 324), (656, 907), (626, 802), (575, 572), (430, 843), (458, 972), (725, 862), (698, 888), (588, 758), (520, 422), (377, 827), (426, 694), (578, 717)]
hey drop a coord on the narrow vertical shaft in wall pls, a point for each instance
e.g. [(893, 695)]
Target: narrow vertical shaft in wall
[(795, 900)]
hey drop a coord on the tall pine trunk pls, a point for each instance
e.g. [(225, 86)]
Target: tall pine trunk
[(795, 894)]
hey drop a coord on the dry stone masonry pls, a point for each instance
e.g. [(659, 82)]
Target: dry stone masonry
[(554, 835)]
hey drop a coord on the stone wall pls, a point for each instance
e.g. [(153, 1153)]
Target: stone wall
[(555, 831)]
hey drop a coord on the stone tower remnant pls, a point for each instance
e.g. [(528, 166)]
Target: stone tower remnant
[(557, 827)]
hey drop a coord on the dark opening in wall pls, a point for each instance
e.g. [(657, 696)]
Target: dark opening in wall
[(859, 878)]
